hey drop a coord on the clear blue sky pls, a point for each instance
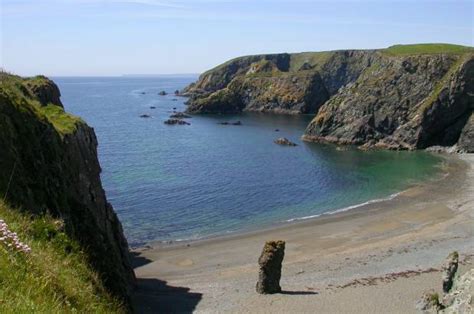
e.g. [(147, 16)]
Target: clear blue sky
[(114, 37)]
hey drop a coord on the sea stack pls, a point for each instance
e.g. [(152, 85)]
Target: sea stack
[(449, 271), (270, 267)]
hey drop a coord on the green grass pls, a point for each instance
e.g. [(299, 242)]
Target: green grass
[(427, 49), (19, 89), (54, 277), (62, 121), (441, 84)]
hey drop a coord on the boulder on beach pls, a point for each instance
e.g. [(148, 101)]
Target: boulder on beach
[(162, 93), (176, 121), (284, 141), (180, 115), (270, 262)]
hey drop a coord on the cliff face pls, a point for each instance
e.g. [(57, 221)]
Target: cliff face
[(402, 97), (48, 164)]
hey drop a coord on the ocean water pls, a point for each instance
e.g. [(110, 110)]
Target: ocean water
[(177, 182)]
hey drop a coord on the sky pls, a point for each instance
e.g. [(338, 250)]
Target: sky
[(116, 37)]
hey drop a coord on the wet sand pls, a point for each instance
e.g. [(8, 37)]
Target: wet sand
[(376, 258)]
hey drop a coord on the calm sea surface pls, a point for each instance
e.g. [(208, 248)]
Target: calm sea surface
[(171, 182)]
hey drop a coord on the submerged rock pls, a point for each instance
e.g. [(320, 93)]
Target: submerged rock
[(284, 141), (449, 270), (270, 262), (176, 121), (180, 115), (230, 123)]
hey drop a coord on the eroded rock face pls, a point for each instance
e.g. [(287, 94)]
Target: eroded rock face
[(45, 90), (460, 300), (373, 98), (270, 262), (55, 169), (449, 271), (408, 103)]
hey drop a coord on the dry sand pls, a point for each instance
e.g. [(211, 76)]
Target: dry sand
[(379, 258)]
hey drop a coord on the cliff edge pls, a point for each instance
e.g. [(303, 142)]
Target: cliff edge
[(48, 164), (401, 97)]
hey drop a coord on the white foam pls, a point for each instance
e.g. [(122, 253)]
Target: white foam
[(344, 209)]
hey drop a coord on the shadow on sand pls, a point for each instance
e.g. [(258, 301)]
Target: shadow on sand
[(155, 296)]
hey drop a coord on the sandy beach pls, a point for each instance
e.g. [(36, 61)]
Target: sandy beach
[(377, 258)]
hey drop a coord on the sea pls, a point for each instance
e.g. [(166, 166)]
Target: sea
[(206, 179)]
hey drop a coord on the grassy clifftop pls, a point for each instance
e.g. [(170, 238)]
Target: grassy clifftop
[(54, 276), (49, 166), (28, 95)]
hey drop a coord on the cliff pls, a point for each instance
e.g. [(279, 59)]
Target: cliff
[(402, 97), (48, 164)]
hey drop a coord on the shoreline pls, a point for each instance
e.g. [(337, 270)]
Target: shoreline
[(391, 249), (448, 160)]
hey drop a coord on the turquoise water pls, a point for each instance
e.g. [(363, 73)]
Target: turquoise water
[(206, 179)]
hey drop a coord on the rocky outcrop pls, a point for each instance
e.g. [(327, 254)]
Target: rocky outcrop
[(44, 90), (48, 164), (449, 270), (284, 141), (461, 297), (270, 267), (402, 97), (176, 121), (458, 291)]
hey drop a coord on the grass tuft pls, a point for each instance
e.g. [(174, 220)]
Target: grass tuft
[(54, 277)]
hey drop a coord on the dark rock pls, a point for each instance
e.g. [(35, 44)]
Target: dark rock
[(284, 141), (145, 116), (449, 271), (174, 108), (152, 107), (374, 98), (162, 93), (58, 174), (176, 92), (176, 121), (45, 90), (180, 115), (277, 130), (270, 263)]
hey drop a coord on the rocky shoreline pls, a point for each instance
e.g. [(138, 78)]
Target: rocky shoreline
[(369, 98)]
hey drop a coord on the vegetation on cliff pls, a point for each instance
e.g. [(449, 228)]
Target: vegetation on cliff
[(54, 277), (401, 97), (49, 165)]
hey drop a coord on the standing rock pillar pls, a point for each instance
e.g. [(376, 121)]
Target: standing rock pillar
[(270, 267), (449, 271)]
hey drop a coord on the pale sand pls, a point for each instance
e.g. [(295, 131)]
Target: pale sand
[(379, 258)]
